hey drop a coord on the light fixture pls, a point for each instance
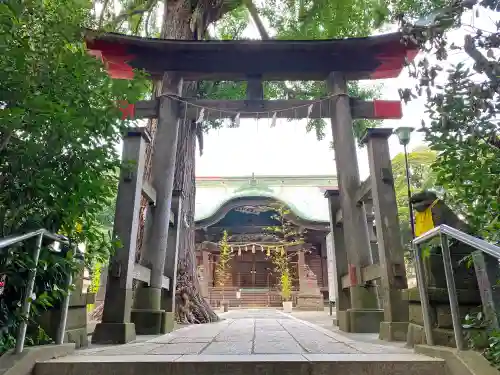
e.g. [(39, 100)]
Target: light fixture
[(404, 134)]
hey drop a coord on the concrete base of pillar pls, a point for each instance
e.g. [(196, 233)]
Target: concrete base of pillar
[(360, 320), (77, 336), (168, 322), (113, 333), (365, 321), (335, 322), (148, 322), (147, 298), (343, 321), (393, 331), (363, 297)]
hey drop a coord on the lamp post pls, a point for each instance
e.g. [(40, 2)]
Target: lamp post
[(404, 134)]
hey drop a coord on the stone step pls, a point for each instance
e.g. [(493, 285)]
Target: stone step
[(280, 364)]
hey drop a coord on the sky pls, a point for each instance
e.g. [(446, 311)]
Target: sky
[(288, 149)]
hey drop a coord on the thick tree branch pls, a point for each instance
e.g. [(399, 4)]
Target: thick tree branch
[(492, 71), (252, 9), (132, 12), (482, 63), (5, 140), (103, 12), (264, 35)]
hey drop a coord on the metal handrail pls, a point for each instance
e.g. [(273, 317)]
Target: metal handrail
[(40, 234), (444, 231), (465, 238)]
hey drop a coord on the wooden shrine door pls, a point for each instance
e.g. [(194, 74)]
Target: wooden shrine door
[(245, 278)]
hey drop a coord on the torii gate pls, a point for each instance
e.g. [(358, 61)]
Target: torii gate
[(335, 61)]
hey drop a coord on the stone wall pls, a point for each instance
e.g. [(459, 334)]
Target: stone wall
[(76, 324), (440, 314)]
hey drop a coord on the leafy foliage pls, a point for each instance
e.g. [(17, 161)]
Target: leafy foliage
[(59, 128), (462, 104), (422, 177), (50, 288), (281, 257), (224, 262)]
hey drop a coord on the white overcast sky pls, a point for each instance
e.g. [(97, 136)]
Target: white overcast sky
[(288, 149)]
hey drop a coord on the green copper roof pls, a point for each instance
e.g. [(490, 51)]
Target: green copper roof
[(303, 194)]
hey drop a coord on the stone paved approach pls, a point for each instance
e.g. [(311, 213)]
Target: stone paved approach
[(246, 342), (250, 332)]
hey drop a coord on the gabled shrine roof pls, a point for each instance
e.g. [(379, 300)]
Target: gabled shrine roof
[(304, 195), (373, 57)]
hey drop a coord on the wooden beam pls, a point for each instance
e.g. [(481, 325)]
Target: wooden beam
[(144, 274), (255, 90), (368, 273), (214, 247), (239, 229), (339, 218), (149, 192), (373, 57), (365, 191), (146, 109), (216, 109), (363, 194)]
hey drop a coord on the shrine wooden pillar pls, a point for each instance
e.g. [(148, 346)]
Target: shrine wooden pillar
[(116, 327), (390, 248), (339, 255), (371, 231), (363, 314), (370, 227), (207, 274), (170, 266), (148, 314)]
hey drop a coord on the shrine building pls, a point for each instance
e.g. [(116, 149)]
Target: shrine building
[(242, 206)]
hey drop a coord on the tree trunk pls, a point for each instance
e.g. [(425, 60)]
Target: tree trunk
[(191, 307)]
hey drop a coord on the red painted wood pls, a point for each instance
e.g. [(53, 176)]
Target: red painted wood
[(352, 274), (114, 56), (387, 109), (127, 110), (393, 61)]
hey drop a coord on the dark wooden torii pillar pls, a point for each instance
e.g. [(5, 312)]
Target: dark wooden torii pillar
[(363, 314), (149, 316)]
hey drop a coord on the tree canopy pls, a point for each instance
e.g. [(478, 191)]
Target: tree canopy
[(59, 130), (462, 104)]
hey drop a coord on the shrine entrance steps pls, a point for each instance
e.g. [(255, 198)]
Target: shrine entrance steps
[(249, 297), (246, 342)]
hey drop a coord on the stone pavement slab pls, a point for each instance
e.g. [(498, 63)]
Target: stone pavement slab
[(246, 342), (251, 332), (252, 364)]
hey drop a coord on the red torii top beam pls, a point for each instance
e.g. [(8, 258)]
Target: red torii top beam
[(374, 57)]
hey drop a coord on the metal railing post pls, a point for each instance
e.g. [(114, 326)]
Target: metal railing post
[(486, 264), (61, 329), (424, 297), (26, 305), (452, 293), (487, 275)]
